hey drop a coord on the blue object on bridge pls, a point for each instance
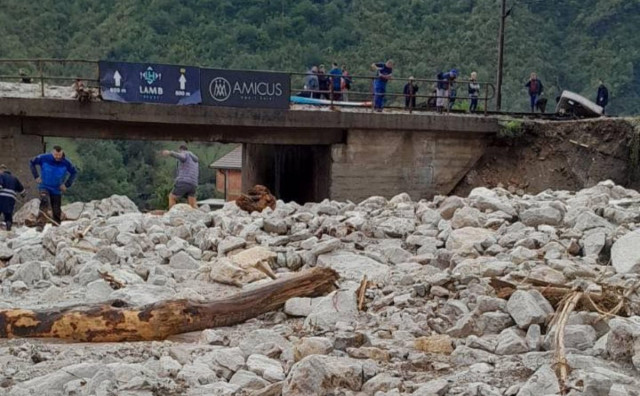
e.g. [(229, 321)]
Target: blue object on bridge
[(149, 83)]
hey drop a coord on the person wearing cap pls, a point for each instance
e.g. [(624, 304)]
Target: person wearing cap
[(10, 186), (445, 83), (474, 90), (384, 72), (187, 172), (410, 91), (54, 167)]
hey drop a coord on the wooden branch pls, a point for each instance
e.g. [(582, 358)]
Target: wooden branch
[(362, 289), (116, 321), (562, 366)]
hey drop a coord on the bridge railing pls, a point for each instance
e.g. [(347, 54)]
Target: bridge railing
[(45, 73), (363, 91), (51, 72)]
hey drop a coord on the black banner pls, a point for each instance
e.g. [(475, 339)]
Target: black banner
[(232, 88)]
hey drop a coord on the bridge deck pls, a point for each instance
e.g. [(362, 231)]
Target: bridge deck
[(111, 120)]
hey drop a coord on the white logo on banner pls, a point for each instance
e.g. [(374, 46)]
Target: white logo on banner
[(220, 89)]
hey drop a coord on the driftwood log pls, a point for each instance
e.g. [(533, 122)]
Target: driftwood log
[(116, 321)]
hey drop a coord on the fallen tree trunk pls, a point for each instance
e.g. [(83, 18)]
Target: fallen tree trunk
[(116, 321)]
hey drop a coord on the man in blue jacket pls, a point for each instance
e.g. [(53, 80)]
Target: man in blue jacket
[(54, 167), (9, 187), (384, 73), (336, 81)]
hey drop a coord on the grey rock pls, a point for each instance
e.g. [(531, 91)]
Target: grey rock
[(268, 343), (383, 382), (169, 367), (593, 242), (300, 306), (467, 237), (542, 382), (267, 368), (528, 307), (488, 304), (546, 215), (312, 346), (338, 306), (588, 220), (437, 387), (486, 199), (625, 253), (534, 337), (327, 246), (213, 337), (5, 252), (275, 225), (494, 322), (248, 380), (467, 217), (182, 260), (318, 375), (623, 341), (30, 272), (511, 342), (230, 243), (351, 266), (449, 205)]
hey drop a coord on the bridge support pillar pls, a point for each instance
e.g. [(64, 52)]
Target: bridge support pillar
[(17, 149), (387, 163)]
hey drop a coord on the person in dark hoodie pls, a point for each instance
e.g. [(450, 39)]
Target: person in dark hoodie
[(186, 176), (534, 87), (54, 167), (323, 82), (602, 98), (410, 91), (384, 73), (10, 186)]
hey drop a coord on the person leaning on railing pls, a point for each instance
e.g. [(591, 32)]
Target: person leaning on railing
[(384, 73)]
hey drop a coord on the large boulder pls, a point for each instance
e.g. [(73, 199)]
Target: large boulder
[(625, 253), (528, 307), (467, 237)]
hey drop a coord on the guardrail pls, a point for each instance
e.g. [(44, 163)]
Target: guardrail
[(62, 71)]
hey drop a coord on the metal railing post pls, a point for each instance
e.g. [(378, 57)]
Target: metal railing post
[(486, 98), (41, 72)]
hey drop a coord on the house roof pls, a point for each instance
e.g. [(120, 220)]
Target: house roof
[(232, 160)]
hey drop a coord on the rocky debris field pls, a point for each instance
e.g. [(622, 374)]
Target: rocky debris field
[(457, 300)]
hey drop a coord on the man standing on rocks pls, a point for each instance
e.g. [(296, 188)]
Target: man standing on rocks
[(9, 187), (54, 167), (187, 176)]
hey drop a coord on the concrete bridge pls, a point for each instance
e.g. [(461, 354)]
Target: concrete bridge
[(300, 154)]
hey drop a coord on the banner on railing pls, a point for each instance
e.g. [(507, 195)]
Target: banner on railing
[(231, 88), (149, 83)]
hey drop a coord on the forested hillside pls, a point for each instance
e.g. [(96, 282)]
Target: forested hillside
[(570, 43)]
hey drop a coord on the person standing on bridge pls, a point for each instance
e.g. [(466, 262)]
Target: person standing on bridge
[(336, 81), (54, 167), (534, 85), (602, 97), (9, 187), (187, 173), (474, 90), (384, 73), (445, 85)]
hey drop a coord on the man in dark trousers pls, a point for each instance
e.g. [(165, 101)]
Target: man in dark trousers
[(384, 73), (186, 176), (603, 96), (410, 91), (10, 186), (54, 167), (534, 86)]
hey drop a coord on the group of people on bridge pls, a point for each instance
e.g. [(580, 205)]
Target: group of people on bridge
[(57, 173), (336, 84)]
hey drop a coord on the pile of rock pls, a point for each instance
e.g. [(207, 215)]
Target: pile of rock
[(433, 324)]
